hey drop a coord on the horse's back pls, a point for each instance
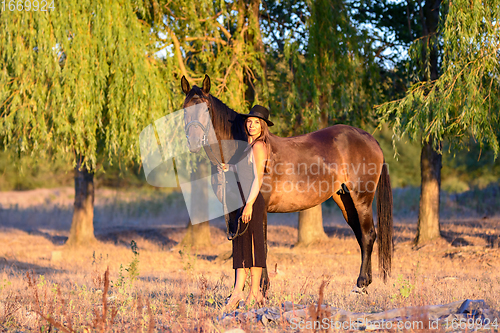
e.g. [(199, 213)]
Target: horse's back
[(347, 141)]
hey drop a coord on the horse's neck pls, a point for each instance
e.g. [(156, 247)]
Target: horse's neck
[(274, 140), (223, 129)]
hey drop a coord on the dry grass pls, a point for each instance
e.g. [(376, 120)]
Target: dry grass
[(180, 291)]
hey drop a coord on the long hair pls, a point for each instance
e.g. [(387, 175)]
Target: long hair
[(264, 137)]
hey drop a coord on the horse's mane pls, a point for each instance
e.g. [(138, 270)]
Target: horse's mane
[(227, 120)]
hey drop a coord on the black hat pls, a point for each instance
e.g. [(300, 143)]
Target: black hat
[(259, 112)]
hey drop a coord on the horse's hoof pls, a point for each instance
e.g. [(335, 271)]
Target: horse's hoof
[(359, 291)]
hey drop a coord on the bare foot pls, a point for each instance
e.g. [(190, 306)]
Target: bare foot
[(234, 301), (255, 299)]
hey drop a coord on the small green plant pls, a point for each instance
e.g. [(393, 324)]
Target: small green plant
[(121, 278), (404, 287), (5, 284), (188, 260), (132, 270), (133, 267)]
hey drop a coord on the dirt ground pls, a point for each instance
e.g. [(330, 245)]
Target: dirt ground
[(168, 288)]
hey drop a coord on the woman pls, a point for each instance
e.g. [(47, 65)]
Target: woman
[(249, 249)]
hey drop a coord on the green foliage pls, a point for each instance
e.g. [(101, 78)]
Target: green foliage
[(26, 172), (126, 282), (188, 260), (462, 170), (281, 28), (400, 20), (404, 288), (335, 78), (29, 172), (121, 278), (81, 80), (404, 168), (133, 267), (5, 284), (390, 27), (221, 39), (463, 101), (41, 281), (468, 171), (84, 80)]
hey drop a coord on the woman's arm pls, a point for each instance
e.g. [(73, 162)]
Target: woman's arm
[(259, 155)]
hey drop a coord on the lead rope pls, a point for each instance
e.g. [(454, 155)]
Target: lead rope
[(205, 143), (229, 234)]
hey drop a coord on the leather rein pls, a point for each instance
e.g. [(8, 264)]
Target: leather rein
[(213, 157)]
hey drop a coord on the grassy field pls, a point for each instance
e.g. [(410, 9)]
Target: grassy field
[(162, 287)]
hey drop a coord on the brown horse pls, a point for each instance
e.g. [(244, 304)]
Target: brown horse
[(340, 161)]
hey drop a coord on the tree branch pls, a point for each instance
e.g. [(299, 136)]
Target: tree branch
[(178, 53), (175, 17), (224, 31), (223, 84), (408, 17), (210, 39), (211, 18), (382, 48)]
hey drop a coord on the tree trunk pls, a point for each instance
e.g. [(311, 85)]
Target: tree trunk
[(428, 218), (198, 234), (255, 38), (82, 225), (311, 220), (311, 226), (430, 161)]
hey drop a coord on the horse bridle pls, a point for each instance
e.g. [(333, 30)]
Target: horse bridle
[(204, 142), (205, 129), (196, 123)]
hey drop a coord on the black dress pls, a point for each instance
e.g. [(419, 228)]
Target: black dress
[(246, 254)]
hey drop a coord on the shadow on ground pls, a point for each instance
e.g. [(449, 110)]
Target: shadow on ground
[(54, 239), (162, 237), (16, 267)]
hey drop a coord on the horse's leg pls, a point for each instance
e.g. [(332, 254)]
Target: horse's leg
[(359, 217), (368, 236), (264, 279)]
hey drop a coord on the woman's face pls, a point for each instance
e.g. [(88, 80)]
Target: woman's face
[(253, 126)]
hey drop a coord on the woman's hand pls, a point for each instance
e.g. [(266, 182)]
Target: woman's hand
[(246, 216), (223, 167), (226, 167)]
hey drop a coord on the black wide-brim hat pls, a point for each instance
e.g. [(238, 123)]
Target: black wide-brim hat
[(259, 112)]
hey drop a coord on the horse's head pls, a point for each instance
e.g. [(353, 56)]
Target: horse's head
[(197, 122)]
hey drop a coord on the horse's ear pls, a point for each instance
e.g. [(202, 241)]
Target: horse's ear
[(206, 84), (185, 85)]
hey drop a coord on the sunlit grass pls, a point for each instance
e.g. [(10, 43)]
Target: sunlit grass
[(185, 288)]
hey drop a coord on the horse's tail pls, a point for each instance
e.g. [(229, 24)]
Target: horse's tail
[(385, 230)]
